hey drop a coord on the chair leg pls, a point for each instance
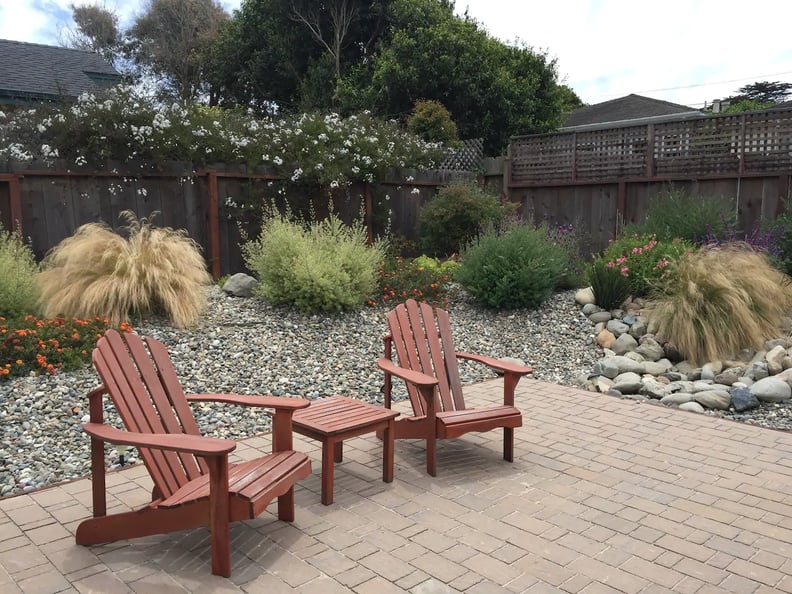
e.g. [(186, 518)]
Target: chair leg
[(219, 515), (431, 455), (286, 506), (508, 444)]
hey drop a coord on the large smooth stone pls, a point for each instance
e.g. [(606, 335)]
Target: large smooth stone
[(627, 383), (605, 339), (692, 407), (713, 399), (618, 328), (624, 344), (771, 389), (650, 349), (743, 400), (585, 296), (678, 398), (600, 316), (240, 285), (775, 359)]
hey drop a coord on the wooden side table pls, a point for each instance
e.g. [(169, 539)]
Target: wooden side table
[(334, 419)]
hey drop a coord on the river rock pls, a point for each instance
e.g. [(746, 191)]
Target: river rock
[(605, 339), (638, 329), (654, 389), (775, 342), (603, 384), (606, 367), (775, 359), (655, 368), (627, 383), (617, 327), (677, 399), (682, 386), (743, 400), (600, 316), (650, 349), (759, 370), (240, 285), (787, 362), (590, 308), (585, 296), (718, 399), (686, 367), (624, 364), (624, 344), (771, 389), (692, 407), (728, 376)]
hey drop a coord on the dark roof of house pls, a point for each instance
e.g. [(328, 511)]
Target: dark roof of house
[(30, 70), (624, 109)]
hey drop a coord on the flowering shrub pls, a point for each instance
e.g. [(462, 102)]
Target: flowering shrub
[(124, 126), (644, 261), (423, 279), (36, 345)]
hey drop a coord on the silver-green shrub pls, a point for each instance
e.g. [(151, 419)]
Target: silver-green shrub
[(18, 268)]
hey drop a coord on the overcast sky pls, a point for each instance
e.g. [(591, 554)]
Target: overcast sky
[(687, 52)]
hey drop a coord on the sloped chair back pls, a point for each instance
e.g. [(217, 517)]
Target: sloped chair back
[(421, 337), (149, 399)]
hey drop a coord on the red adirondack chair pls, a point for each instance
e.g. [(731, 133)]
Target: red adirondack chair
[(427, 361), (194, 484)]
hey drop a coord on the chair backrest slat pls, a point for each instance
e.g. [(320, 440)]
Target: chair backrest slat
[(133, 384), (438, 357), (423, 342), (175, 395)]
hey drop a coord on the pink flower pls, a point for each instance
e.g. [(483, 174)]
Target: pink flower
[(637, 250), (609, 264), (621, 260), (624, 270)]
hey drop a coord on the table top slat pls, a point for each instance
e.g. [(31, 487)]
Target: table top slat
[(337, 414)]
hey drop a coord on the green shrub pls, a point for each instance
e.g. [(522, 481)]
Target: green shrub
[(783, 257), (98, 273), (29, 344), (321, 266), (18, 291), (456, 216), (423, 279), (611, 287), (569, 239), (515, 268), (676, 213), (646, 262), (431, 121), (722, 299)]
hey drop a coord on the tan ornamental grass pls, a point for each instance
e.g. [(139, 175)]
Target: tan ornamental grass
[(98, 273), (720, 300)]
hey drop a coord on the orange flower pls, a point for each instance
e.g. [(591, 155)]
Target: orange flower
[(18, 362)]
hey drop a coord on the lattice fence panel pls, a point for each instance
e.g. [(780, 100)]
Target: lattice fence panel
[(547, 158), (611, 153), (468, 157), (768, 141), (698, 147)]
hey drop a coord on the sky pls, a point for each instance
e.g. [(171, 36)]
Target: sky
[(687, 52)]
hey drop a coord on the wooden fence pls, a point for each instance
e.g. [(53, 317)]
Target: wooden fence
[(217, 206), (599, 179)]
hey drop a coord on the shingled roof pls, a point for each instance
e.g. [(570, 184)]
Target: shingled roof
[(30, 72), (625, 109)]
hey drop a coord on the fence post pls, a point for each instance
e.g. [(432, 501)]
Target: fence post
[(574, 157), (506, 191), (214, 224), (650, 150), (15, 201), (742, 143)]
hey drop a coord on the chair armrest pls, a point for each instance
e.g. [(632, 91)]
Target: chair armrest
[(408, 375), (497, 364), (177, 442), (276, 402)]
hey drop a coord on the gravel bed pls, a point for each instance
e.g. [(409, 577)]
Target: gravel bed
[(245, 346)]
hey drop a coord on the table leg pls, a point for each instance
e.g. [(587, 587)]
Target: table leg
[(328, 449), (387, 452), (338, 453)]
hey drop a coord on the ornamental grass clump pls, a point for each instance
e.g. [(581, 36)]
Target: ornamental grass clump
[(18, 268), (722, 299), (98, 273), (319, 266)]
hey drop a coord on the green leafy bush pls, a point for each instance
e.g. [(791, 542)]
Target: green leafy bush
[(720, 300), (321, 266), (456, 216), (29, 344), (569, 239), (423, 279), (518, 267), (18, 268), (783, 255), (98, 273), (431, 121), (646, 262), (676, 213), (611, 287)]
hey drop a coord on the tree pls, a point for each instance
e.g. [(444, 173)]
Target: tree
[(492, 90), (173, 40), (97, 31), (763, 92)]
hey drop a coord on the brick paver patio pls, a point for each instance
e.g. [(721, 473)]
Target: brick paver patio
[(604, 495)]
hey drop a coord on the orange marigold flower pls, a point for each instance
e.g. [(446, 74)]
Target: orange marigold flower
[(18, 362)]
